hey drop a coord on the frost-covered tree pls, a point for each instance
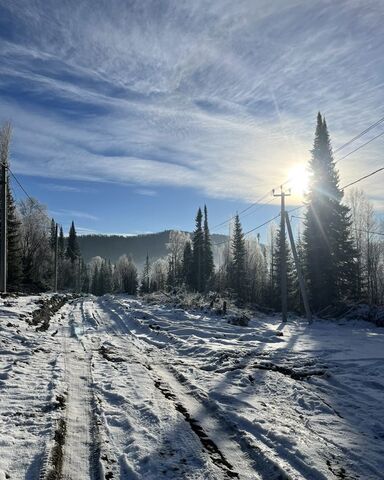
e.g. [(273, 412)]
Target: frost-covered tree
[(145, 285), (175, 247), (35, 251), (368, 246), (159, 275), (126, 274)]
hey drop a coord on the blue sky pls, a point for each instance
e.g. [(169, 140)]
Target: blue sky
[(128, 115)]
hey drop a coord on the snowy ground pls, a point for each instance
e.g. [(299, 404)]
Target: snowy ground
[(118, 389)]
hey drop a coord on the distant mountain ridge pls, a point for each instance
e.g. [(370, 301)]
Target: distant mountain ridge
[(112, 247)]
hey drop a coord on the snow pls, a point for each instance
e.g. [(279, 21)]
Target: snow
[(151, 392)]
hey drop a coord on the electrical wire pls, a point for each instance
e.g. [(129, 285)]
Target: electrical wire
[(349, 142), (303, 205)]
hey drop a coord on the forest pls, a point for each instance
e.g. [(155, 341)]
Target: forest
[(340, 248)]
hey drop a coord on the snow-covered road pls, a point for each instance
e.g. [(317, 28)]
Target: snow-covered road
[(118, 389)]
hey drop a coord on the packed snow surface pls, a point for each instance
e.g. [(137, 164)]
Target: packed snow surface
[(119, 389)]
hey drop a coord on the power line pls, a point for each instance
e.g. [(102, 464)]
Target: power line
[(243, 211), (359, 135), (363, 178), (353, 229), (349, 142), (34, 201), (303, 205), (359, 147)]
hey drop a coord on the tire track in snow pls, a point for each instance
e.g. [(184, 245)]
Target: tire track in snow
[(79, 445), (238, 458)]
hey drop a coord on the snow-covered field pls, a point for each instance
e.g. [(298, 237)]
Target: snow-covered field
[(118, 389)]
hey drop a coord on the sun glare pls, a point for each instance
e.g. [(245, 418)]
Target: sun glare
[(298, 179)]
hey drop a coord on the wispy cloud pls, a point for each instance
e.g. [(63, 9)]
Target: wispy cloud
[(74, 214), (55, 187), (218, 96)]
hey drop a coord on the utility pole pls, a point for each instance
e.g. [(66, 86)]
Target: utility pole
[(4, 219), (283, 254), (299, 270), (5, 135), (56, 258), (79, 275)]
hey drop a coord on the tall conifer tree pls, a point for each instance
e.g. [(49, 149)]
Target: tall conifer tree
[(198, 253), (52, 236), (61, 245), (145, 279), (237, 264), (276, 265), (14, 270), (188, 265), (208, 264), (328, 249), (73, 249)]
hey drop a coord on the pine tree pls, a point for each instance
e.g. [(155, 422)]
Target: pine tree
[(104, 281), (145, 279), (328, 248), (73, 249), (291, 277), (237, 264), (208, 264), (187, 265), (61, 243), (95, 284), (198, 254), (52, 236), (15, 269)]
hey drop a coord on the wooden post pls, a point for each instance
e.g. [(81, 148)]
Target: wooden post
[(283, 256), (299, 271), (4, 219)]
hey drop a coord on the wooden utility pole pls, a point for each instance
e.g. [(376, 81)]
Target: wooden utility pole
[(4, 219), (56, 258), (5, 138), (283, 254), (299, 270), (79, 275)]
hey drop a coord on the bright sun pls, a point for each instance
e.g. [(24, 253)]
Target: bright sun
[(298, 179)]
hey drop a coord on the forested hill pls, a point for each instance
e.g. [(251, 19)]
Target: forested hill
[(112, 247)]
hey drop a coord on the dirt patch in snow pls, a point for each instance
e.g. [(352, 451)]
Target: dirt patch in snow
[(56, 459), (210, 447), (48, 307)]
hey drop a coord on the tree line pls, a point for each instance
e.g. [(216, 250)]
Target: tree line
[(340, 247), (340, 251)]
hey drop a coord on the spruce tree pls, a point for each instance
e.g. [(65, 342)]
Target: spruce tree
[(208, 264), (73, 249), (291, 277), (328, 250), (237, 264), (95, 283), (198, 254), (145, 279), (14, 267), (52, 236), (187, 265), (61, 244)]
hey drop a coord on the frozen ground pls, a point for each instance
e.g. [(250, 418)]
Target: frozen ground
[(118, 389)]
